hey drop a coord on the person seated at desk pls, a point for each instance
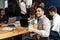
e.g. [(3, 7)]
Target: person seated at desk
[(44, 25), (54, 34), (3, 18)]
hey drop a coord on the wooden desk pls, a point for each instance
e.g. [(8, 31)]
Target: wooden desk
[(22, 30), (7, 34), (17, 31), (25, 29)]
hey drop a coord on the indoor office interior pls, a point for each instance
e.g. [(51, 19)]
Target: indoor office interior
[(14, 24)]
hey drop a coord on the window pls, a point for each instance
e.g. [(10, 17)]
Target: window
[(6, 3), (29, 3)]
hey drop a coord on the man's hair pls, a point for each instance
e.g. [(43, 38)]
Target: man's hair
[(41, 7), (1, 9), (52, 9)]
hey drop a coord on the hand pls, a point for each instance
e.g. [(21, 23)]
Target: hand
[(32, 34), (30, 28)]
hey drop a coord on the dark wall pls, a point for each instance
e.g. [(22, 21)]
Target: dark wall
[(55, 3)]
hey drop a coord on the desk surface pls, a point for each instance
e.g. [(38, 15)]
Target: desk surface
[(17, 31)]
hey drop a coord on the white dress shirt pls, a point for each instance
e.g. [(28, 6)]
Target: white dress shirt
[(45, 31), (23, 8), (56, 23), (46, 26)]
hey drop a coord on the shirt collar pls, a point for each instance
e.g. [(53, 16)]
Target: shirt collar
[(55, 15), (42, 16)]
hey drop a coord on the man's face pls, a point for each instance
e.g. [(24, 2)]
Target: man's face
[(2, 12), (39, 12), (51, 13)]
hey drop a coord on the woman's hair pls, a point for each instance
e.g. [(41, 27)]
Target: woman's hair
[(22, 0)]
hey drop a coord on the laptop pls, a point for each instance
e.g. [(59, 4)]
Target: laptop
[(11, 20)]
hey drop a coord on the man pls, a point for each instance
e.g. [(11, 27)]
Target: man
[(43, 25), (55, 24), (3, 18)]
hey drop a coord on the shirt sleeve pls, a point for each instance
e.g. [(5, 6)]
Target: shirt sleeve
[(46, 28)]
